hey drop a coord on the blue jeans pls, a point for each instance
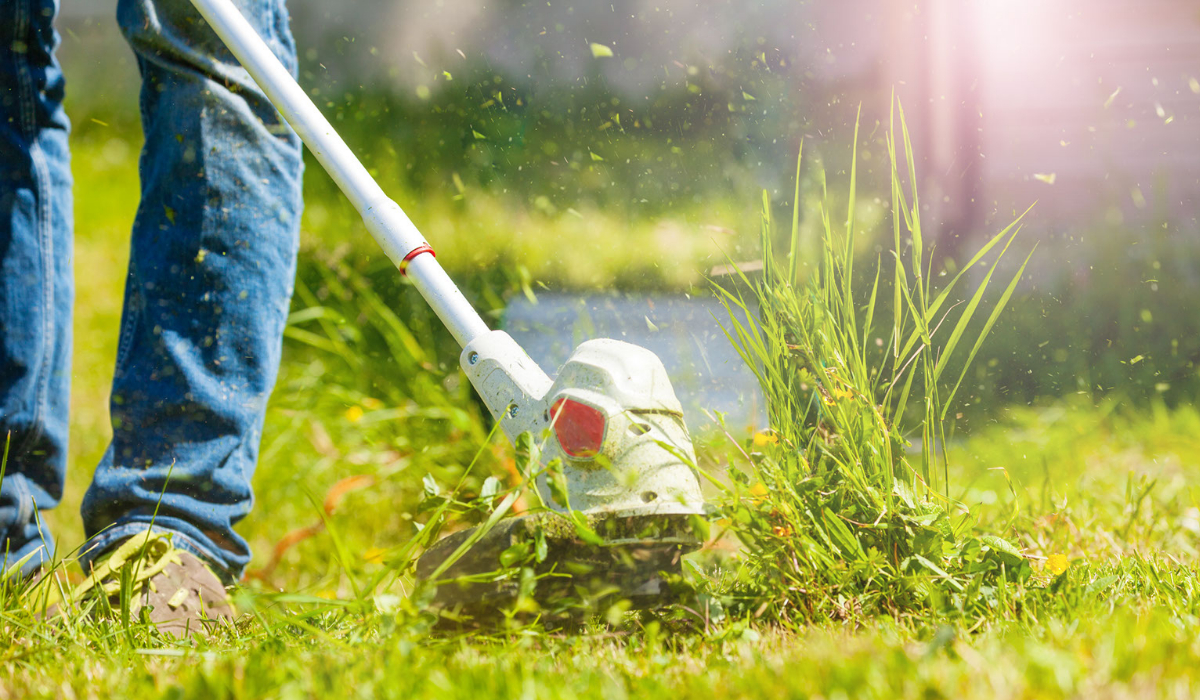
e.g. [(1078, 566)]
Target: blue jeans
[(210, 278)]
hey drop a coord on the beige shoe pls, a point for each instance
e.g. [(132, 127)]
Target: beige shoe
[(182, 595)]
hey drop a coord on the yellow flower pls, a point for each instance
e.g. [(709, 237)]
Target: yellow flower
[(1057, 563), (758, 490), (374, 555), (765, 437), (354, 414)]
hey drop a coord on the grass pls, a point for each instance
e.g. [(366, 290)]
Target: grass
[(370, 410), (876, 664), (1121, 621)]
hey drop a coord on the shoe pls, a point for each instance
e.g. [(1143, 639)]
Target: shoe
[(180, 594)]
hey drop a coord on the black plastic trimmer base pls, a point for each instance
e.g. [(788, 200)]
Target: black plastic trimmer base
[(502, 573)]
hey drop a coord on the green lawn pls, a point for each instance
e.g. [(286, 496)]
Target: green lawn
[(369, 388), (1122, 621)]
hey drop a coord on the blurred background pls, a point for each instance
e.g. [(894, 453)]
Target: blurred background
[(1098, 96), (593, 149)]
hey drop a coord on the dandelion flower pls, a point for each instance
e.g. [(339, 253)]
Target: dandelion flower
[(1057, 563)]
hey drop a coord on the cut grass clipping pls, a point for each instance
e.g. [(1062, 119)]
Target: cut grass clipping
[(840, 515)]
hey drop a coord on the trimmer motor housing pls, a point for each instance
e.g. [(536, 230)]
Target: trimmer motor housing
[(611, 418)]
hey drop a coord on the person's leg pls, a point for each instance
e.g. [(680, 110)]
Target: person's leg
[(210, 278), (36, 286)]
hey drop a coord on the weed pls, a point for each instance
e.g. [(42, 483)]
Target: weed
[(839, 518)]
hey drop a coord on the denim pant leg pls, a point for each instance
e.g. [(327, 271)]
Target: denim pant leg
[(211, 271), (36, 284)]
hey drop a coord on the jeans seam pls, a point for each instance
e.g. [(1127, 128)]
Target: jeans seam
[(128, 319), (45, 226), (23, 499)]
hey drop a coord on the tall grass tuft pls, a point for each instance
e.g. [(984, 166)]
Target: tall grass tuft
[(844, 505)]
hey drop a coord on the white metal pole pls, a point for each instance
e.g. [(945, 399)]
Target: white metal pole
[(386, 221)]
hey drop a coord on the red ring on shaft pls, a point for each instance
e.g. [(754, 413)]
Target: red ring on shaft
[(412, 254)]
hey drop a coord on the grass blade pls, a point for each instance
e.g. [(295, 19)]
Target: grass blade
[(987, 328)]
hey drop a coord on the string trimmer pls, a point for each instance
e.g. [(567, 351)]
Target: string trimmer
[(615, 453)]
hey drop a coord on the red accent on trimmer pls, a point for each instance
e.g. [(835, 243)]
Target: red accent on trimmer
[(579, 428), (412, 254)]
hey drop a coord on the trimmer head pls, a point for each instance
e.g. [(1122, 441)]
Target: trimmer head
[(573, 578), (612, 426)]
